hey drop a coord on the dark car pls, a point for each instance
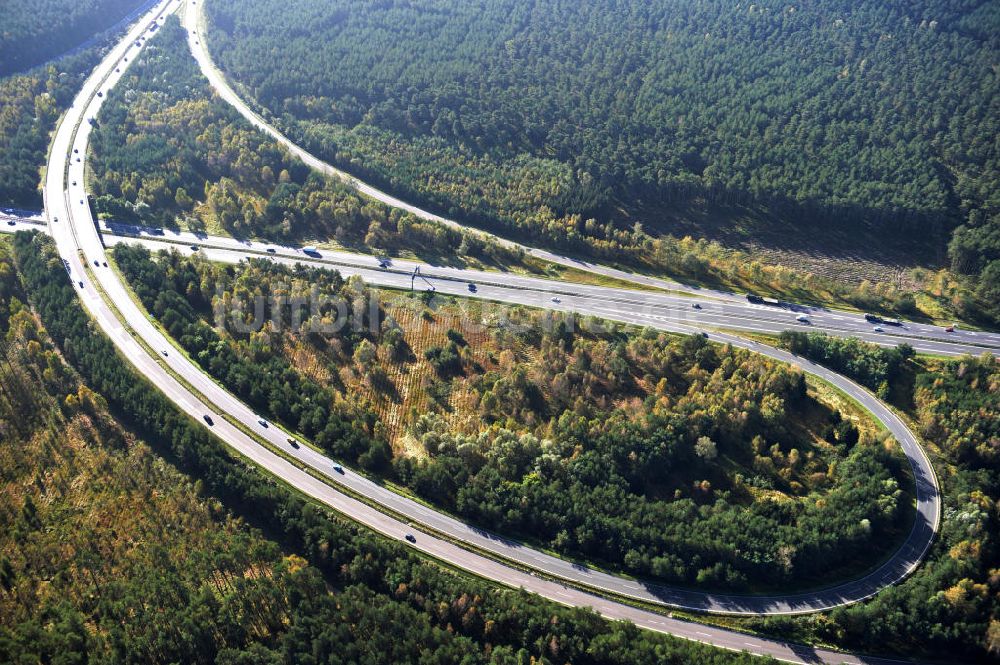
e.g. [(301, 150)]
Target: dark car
[(271, 250), (97, 263), (339, 469), (293, 443), (80, 283), (194, 248), (208, 419), (696, 305), (11, 222), (473, 288), (410, 537)]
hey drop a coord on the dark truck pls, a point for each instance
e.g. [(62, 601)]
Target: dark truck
[(761, 300)]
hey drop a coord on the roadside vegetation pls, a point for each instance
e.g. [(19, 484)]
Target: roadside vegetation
[(613, 129), (950, 607), (661, 456), (119, 550)]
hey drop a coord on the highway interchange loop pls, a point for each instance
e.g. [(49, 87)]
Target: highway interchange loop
[(81, 244)]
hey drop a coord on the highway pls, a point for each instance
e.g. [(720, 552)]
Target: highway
[(194, 21), (108, 300), (643, 307)]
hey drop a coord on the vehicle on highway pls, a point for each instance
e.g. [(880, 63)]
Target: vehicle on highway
[(384, 262), (100, 94), (410, 537), (704, 334), (473, 288), (950, 329), (208, 419), (695, 305), (74, 183), (878, 329), (55, 219), (271, 250), (80, 283), (339, 469), (802, 318), (164, 352), (556, 300), (194, 248), (293, 443), (310, 250), (262, 422), (11, 222), (97, 264)]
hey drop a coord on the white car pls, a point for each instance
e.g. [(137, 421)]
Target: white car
[(878, 329), (802, 318)]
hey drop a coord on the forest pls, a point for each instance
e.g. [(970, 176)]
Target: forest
[(167, 152), (712, 466), (33, 32), (32, 103), (144, 541), (539, 119)]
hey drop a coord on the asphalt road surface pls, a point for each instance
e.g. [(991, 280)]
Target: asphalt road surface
[(79, 242), (643, 307)]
